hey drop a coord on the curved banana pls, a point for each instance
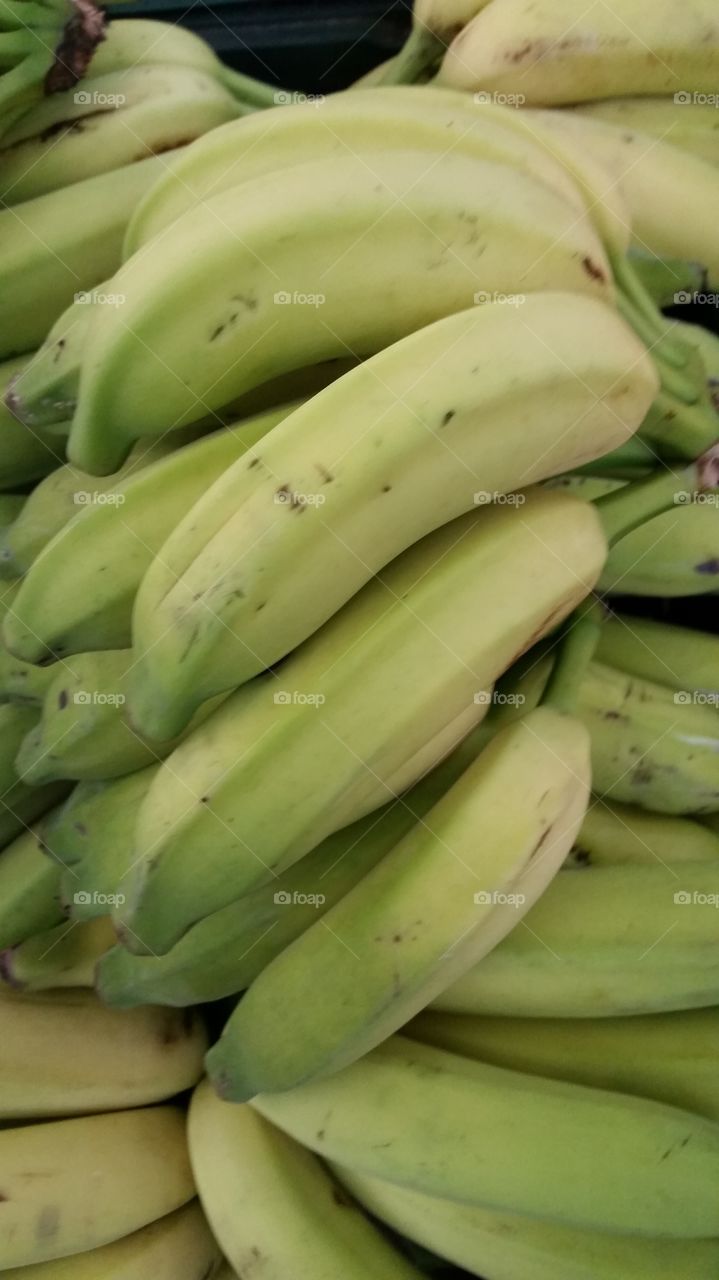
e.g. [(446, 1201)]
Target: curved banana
[(666, 1056), (26, 453), (436, 903), (690, 123), (604, 941), (65, 243), (64, 1053), (114, 120), (338, 743), (61, 957), (507, 1140), (287, 276), (269, 1200), (510, 1246), (81, 584), (546, 53), (420, 119), (135, 1161), (365, 469), (612, 834), (29, 890), (179, 1246), (678, 657), (20, 803)]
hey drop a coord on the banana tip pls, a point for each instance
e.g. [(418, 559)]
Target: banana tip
[(6, 970)]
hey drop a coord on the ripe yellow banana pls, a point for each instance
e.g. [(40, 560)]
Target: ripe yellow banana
[(64, 1053), (71, 1185), (61, 957), (547, 52), (271, 1204), (444, 1124), (365, 469), (330, 744)]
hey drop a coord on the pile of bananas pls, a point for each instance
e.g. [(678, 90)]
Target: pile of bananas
[(334, 434)]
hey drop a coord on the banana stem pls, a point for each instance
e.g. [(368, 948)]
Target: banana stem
[(662, 279), (632, 457), (417, 60), (645, 312), (678, 429), (251, 93), (577, 648), (627, 508)]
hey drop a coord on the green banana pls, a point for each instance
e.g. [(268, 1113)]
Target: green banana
[(663, 278), (377, 460), (545, 54), (43, 48), (26, 453), (64, 956), (20, 803), (670, 1057), (324, 232), (29, 888), (19, 681), (114, 120), (424, 660), (604, 941), (178, 1246), (674, 656), (510, 1246), (438, 901), (63, 244), (435, 23), (135, 1161), (684, 119), (270, 1201), (83, 732), (507, 1140), (80, 587), (64, 1053), (612, 834)]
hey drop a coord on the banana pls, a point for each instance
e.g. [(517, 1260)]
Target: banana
[(60, 245), (64, 1053), (61, 957), (435, 24), (179, 1246), (425, 665), (674, 656), (29, 891), (508, 1140), (114, 120), (135, 1162), (689, 122), (83, 732), (651, 174), (666, 1056), (650, 747), (20, 803), (604, 941), (19, 681), (11, 504), (547, 54), (64, 493), (273, 1208), (612, 834), (362, 471), (26, 453), (509, 1246), (439, 901), (80, 588), (306, 247), (420, 119)]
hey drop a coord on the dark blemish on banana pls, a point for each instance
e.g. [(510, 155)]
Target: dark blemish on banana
[(254, 462), (386, 488), (593, 271), (62, 699), (216, 332), (447, 418), (327, 476), (259, 607), (708, 566)]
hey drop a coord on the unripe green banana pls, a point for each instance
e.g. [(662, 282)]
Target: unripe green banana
[(20, 682), (26, 453), (29, 890), (112, 121), (306, 246), (135, 1161), (506, 1140), (64, 1053), (65, 243), (687, 123), (510, 1246), (179, 1246), (612, 834), (677, 657), (340, 742), (64, 956), (667, 1056), (605, 941), (437, 902), (548, 55), (364, 470), (269, 1200), (81, 586), (20, 803)]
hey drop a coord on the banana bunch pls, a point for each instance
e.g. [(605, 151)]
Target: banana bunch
[(45, 47), (358, 713)]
